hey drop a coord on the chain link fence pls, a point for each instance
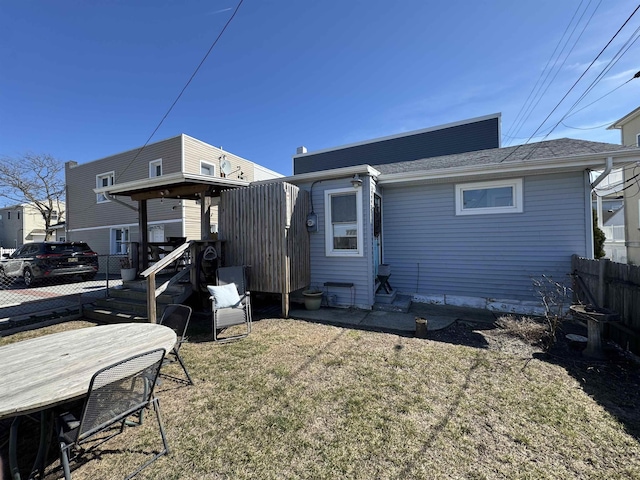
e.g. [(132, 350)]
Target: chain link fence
[(57, 296)]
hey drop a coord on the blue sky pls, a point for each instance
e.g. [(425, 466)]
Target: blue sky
[(83, 80)]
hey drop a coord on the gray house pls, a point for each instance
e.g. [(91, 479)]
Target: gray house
[(468, 227)]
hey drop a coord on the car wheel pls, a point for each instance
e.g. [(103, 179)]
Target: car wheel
[(28, 277)]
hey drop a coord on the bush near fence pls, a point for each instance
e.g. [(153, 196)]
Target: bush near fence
[(615, 286)]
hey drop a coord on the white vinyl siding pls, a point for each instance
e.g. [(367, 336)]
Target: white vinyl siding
[(103, 180), (343, 222), (500, 196), (155, 168)]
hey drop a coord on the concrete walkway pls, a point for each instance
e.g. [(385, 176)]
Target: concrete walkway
[(438, 317)]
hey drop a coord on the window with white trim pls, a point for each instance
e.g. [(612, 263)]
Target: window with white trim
[(155, 168), (119, 241), (343, 222), (638, 140), (207, 168), (498, 196), (104, 180)]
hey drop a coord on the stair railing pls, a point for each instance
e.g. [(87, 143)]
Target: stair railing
[(150, 275)]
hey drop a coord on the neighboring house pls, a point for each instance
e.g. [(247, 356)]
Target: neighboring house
[(613, 228), (629, 127), (471, 228), (608, 204), (23, 223), (109, 223)]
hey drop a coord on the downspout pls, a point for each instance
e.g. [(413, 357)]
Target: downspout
[(108, 196), (589, 216), (602, 176)]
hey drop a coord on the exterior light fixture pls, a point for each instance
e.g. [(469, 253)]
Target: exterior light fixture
[(356, 181)]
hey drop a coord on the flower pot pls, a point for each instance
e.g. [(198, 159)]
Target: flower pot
[(128, 274), (312, 299)]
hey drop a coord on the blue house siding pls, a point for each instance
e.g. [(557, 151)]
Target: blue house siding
[(356, 270), (434, 252), (467, 137)]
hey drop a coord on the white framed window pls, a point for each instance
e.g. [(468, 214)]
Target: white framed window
[(343, 222), (104, 180), (207, 168), (638, 140), (119, 241), (155, 168), (498, 196)]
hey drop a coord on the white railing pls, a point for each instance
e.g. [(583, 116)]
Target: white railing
[(7, 251)]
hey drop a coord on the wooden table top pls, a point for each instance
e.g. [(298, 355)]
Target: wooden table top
[(50, 370)]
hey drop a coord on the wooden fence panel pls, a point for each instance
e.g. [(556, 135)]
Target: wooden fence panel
[(617, 286), (264, 226)]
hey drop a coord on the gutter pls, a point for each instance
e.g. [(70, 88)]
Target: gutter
[(113, 198), (602, 176)]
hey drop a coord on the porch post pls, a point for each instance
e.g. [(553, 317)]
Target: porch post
[(205, 215), (144, 234)]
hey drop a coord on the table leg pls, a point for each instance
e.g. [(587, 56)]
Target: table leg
[(46, 418), (13, 453)]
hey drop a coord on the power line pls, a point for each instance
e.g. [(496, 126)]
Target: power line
[(606, 94), (586, 70), (572, 87), (541, 96), (183, 88)]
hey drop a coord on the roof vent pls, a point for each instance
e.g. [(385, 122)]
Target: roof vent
[(301, 150)]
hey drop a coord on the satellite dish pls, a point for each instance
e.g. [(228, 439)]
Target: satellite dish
[(225, 166)]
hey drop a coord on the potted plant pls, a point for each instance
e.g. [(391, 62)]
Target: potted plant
[(127, 272), (312, 298)]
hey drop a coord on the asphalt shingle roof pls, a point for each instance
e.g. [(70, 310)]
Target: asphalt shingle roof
[(560, 148)]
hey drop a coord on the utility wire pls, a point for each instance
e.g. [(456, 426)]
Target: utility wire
[(606, 94), (535, 86), (628, 44), (572, 87), (586, 70), (541, 96), (183, 89)]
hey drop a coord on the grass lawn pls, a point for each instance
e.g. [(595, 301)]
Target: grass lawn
[(305, 400)]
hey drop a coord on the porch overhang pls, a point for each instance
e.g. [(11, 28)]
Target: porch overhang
[(175, 185)]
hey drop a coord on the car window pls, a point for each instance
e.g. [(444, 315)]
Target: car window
[(67, 247)]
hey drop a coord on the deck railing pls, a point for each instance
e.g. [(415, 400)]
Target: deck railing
[(150, 275)]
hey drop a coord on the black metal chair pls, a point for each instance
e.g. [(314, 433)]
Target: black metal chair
[(176, 317), (237, 311), (116, 393)]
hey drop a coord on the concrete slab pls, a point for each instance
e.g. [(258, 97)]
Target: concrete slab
[(438, 317)]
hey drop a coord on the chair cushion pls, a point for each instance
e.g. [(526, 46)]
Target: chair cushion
[(225, 295)]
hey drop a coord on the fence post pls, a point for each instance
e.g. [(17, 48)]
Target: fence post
[(602, 271)]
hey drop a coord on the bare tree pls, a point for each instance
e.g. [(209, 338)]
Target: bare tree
[(37, 179)]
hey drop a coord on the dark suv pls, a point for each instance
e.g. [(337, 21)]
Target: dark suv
[(41, 260)]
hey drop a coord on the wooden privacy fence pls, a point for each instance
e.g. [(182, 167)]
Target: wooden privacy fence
[(615, 286), (264, 227)]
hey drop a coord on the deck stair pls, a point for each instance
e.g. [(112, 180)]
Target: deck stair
[(128, 302)]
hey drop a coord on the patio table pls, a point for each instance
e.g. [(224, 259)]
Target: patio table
[(46, 371)]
